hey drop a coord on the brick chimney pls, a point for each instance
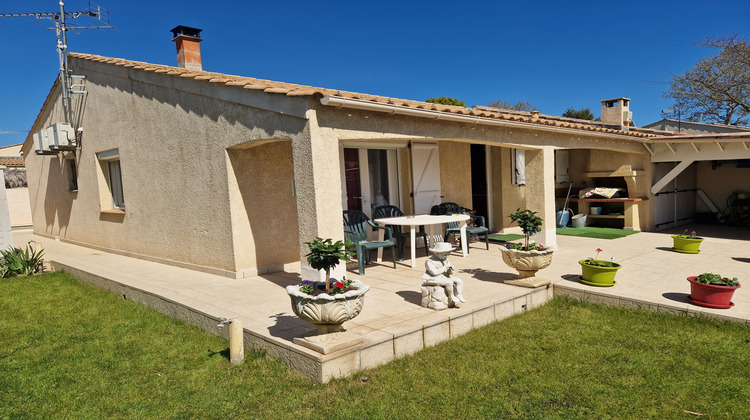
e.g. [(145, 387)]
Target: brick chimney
[(188, 49), (616, 112)]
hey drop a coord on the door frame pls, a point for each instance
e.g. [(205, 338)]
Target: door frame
[(393, 158)]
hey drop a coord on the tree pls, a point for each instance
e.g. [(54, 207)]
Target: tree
[(717, 88), (581, 114), (518, 106), (446, 100)]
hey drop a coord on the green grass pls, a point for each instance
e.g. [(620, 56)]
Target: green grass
[(505, 238), (72, 351), (596, 232)]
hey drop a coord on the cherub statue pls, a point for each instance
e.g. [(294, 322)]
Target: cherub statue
[(439, 272)]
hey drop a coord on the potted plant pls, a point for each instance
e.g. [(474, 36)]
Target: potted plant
[(529, 257), (330, 303), (687, 243), (712, 290), (595, 272)]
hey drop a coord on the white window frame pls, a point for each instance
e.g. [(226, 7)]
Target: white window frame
[(518, 166)]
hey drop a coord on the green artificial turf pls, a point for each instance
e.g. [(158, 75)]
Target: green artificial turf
[(70, 350), (596, 232), (505, 238)]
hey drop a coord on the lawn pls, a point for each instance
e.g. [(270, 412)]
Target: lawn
[(596, 232), (74, 351)]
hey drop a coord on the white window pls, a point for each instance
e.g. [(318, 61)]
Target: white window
[(518, 165), (110, 163)]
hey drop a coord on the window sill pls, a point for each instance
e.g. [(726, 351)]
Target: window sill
[(73, 191), (113, 211)]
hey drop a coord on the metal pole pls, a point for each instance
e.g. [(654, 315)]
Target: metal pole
[(62, 51)]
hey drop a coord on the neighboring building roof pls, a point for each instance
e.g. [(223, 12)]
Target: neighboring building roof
[(12, 161), (690, 127), (290, 89)]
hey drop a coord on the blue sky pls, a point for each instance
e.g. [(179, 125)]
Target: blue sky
[(554, 54)]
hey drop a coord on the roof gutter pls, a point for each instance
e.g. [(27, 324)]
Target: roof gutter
[(725, 138), (340, 102)]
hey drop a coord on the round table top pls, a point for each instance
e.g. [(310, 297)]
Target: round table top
[(422, 219)]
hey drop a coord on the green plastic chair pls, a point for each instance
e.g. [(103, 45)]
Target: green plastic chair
[(355, 230), (479, 228), (401, 236)]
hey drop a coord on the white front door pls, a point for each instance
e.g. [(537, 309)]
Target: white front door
[(425, 162)]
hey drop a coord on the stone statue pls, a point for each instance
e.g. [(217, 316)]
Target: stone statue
[(440, 289)]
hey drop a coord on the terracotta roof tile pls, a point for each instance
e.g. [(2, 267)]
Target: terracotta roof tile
[(12, 161), (301, 90)]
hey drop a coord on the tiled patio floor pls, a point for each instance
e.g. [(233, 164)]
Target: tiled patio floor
[(392, 322)]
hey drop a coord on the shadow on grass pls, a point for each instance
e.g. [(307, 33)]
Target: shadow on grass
[(224, 353), (677, 297)]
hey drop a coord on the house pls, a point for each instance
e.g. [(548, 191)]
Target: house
[(702, 173), (17, 190), (231, 174), (690, 127)]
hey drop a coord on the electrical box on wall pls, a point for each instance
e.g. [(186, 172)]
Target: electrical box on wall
[(60, 134), (55, 138), (40, 141)]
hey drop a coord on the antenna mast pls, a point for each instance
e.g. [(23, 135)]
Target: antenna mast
[(61, 28)]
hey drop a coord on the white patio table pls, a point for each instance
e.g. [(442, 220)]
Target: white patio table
[(422, 220)]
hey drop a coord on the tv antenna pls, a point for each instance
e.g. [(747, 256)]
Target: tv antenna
[(61, 28)]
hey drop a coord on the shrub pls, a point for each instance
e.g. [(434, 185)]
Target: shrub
[(17, 261), (717, 279)]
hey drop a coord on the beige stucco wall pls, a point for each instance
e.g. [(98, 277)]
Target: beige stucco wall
[(578, 161), (719, 183), (455, 173), (19, 207), (11, 150), (507, 197), (172, 143), (263, 205)]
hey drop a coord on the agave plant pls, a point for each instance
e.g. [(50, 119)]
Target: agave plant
[(18, 261)]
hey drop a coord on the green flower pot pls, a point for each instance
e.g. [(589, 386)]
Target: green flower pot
[(686, 245), (598, 276)]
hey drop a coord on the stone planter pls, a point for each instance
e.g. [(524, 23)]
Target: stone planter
[(686, 245), (328, 313), (711, 295), (594, 275), (527, 263)]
